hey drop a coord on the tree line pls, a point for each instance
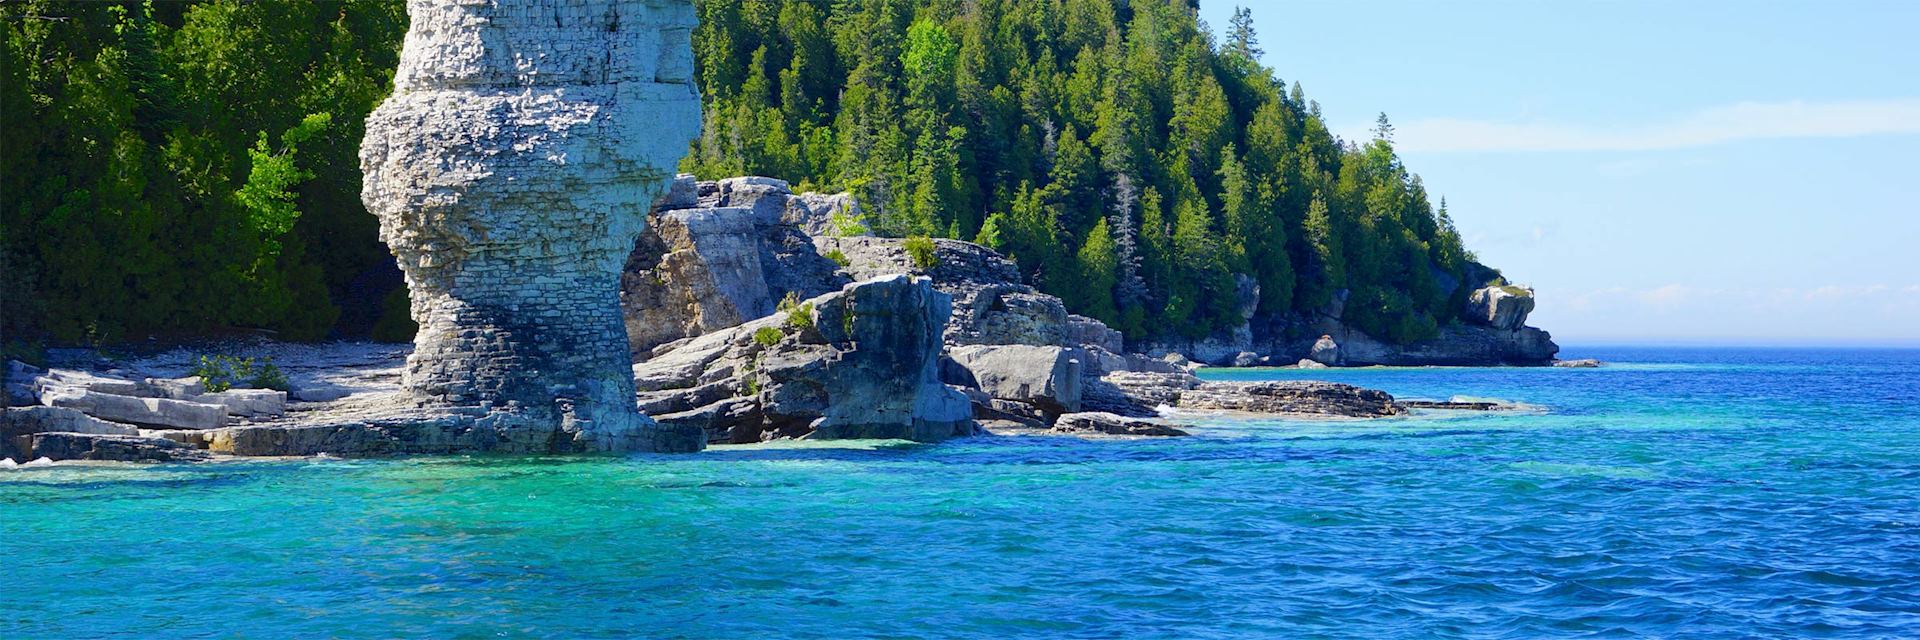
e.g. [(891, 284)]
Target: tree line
[(1129, 162), (183, 167), (174, 168)]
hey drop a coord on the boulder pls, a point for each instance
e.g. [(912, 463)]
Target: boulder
[(248, 403), (1046, 377), (991, 305), (815, 214), (177, 388), (1246, 359), (682, 193), (1113, 425), (156, 412), (1309, 364), (121, 448), (728, 258), (1088, 332), (1325, 351), (858, 363), (1500, 307)]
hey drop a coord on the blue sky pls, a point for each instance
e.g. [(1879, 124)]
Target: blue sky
[(1700, 171)]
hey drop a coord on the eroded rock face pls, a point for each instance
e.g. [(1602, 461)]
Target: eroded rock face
[(990, 304), (857, 363), (1501, 307), (1048, 378), (512, 169), (716, 255)]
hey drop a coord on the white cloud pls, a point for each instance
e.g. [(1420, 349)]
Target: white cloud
[(1717, 125), (1668, 295)]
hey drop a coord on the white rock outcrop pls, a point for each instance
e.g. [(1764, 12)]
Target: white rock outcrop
[(511, 169)]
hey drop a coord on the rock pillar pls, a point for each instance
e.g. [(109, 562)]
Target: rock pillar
[(512, 169)]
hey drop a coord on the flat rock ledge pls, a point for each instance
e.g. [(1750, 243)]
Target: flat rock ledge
[(1139, 394), (1095, 422)]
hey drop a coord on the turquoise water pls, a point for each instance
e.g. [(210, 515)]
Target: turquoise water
[(1698, 494)]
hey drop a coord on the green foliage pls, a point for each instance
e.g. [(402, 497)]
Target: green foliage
[(839, 257), (921, 250), (843, 224), (182, 166), (177, 167), (1027, 125), (223, 372), (768, 336), (396, 319), (799, 314)]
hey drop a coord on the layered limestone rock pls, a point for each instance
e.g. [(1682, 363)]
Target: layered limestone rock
[(1491, 331), (1500, 307), (857, 363), (991, 305), (718, 254), (512, 169), (1049, 378)]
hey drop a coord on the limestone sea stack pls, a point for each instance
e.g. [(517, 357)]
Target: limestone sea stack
[(512, 169)]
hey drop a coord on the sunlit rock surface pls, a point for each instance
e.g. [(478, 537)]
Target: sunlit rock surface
[(511, 170)]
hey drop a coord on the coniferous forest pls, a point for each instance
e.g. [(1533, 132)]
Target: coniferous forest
[(176, 168)]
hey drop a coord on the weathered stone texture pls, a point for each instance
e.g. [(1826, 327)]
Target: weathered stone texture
[(716, 255), (512, 169), (857, 363)]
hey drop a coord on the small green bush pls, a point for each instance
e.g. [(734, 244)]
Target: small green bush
[(799, 314), (843, 223), (767, 336), (838, 257), (223, 372), (920, 249)]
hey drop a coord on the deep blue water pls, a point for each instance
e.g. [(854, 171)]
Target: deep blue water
[(1683, 493)]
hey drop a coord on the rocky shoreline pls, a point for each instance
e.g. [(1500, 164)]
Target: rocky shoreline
[(751, 319)]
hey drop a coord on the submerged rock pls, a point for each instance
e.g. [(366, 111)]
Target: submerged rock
[(1584, 363), (1146, 394), (1293, 397)]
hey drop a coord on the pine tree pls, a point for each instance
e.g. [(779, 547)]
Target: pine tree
[(1241, 39)]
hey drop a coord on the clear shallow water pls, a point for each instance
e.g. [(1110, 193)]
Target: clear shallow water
[(1683, 493)]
